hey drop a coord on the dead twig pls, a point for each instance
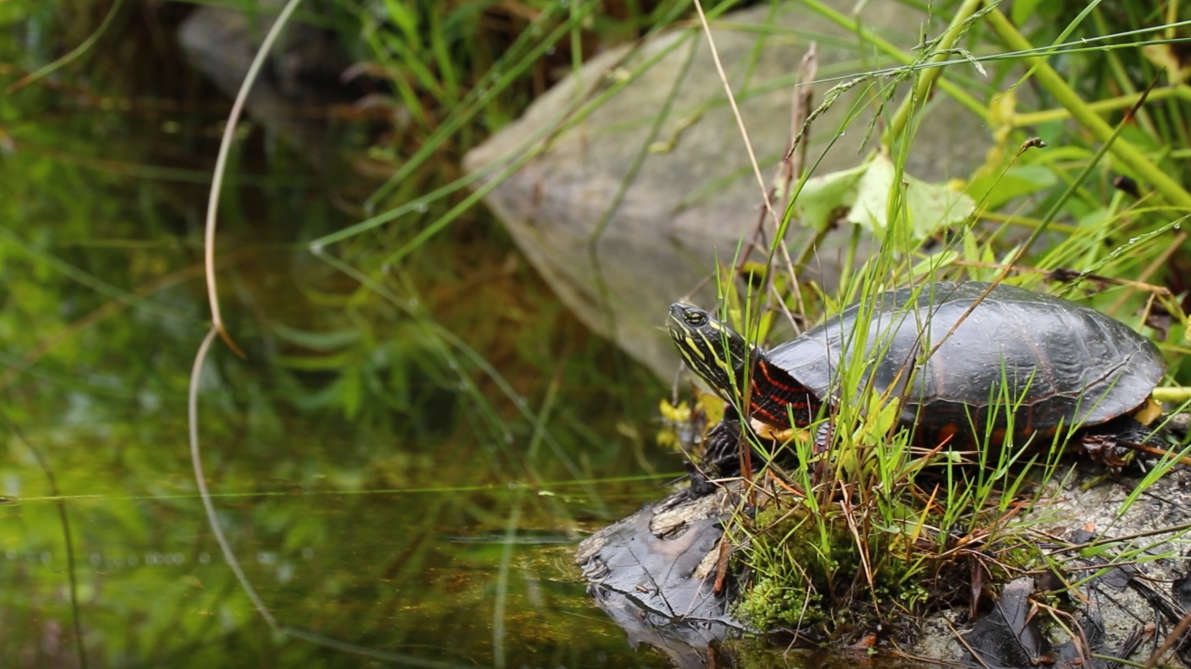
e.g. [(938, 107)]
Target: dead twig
[(225, 149)]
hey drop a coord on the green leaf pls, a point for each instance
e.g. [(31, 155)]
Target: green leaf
[(823, 197), (1094, 219), (405, 19), (935, 206), (13, 13), (316, 341), (975, 250), (872, 196), (929, 207), (765, 325), (1057, 155), (314, 363), (1098, 550), (992, 192), (351, 391), (886, 415)]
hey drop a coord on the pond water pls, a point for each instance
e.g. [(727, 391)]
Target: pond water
[(401, 465), (385, 498), (386, 534)]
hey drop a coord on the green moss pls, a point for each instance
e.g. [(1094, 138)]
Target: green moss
[(806, 570), (811, 566), (794, 560), (772, 603)]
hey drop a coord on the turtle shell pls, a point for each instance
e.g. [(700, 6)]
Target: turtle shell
[(1050, 361)]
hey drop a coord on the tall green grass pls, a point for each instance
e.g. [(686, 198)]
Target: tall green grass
[(395, 314), (871, 518)]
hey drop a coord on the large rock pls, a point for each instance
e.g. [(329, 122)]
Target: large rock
[(695, 197)]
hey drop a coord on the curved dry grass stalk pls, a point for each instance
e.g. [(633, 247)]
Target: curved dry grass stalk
[(204, 494), (225, 147), (216, 319)]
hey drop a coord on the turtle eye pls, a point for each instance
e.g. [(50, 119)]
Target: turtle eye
[(695, 318)]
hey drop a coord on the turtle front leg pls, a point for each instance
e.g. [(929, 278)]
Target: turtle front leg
[(721, 447), (1114, 443), (702, 485), (721, 454)]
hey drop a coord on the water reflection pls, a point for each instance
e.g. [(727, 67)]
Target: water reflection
[(403, 462), (406, 577), (384, 494)]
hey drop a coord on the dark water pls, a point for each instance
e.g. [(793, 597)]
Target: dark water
[(410, 576), (404, 536), (402, 463), (401, 470)]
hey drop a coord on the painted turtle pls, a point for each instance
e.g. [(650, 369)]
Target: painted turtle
[(952, 364)]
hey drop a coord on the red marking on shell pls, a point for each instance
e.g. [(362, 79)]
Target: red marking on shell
[(758, 401), (772, 419), (764, 367)]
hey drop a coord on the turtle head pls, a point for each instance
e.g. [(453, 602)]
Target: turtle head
[(714, 351)]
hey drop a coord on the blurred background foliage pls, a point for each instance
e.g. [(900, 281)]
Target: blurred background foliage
[(367, 444), (409, 445)]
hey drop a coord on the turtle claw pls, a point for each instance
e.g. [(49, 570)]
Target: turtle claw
[(1107, 450), (1116, 443), (701, 484)]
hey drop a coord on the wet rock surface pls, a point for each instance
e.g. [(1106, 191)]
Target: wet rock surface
[(653, 573), (1124, 551)]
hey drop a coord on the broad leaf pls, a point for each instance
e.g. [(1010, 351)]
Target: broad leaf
[(929, 207), (824, 198), (992, 192)]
